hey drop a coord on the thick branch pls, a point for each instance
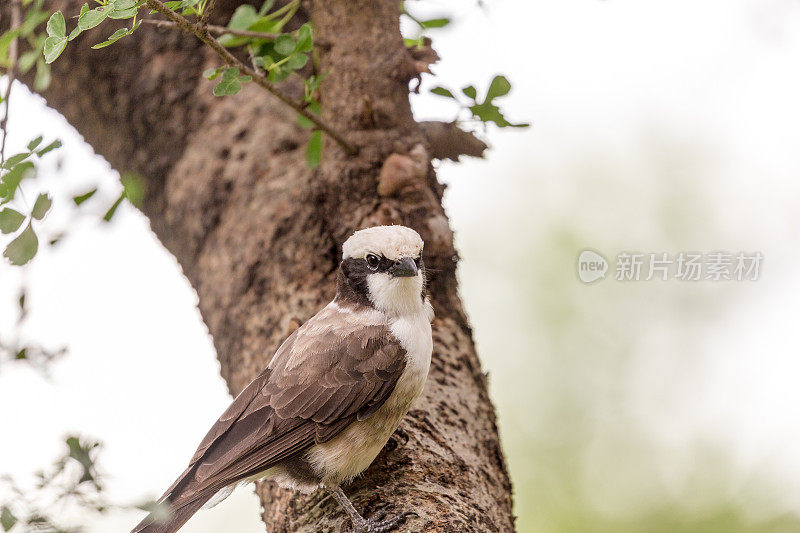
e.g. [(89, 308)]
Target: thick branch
[(258, 235)]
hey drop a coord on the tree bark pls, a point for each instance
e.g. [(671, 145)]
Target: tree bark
[(259, 235)]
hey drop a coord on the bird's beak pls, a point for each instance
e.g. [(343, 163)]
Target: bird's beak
[(404, 268)]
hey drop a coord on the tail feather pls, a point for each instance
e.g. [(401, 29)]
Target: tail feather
[(179, 513)]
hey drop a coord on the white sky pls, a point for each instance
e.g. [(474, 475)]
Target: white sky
[(594, 77)]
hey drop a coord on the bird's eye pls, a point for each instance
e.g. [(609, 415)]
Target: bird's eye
[(373, 261)]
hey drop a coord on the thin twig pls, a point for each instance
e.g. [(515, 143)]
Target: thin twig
[(16, 22), (216, 30), (204, 35)]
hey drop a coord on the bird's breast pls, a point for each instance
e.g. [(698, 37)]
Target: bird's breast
[(353, 450)]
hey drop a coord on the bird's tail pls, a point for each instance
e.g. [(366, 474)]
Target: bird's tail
[(181, 500), (179, 514)]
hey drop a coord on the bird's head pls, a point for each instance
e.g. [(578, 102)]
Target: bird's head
[(382, 266)]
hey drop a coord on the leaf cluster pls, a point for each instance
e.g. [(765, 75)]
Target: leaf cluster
[(72, 482), (36, 356), (13, 171), (423, 25), (33, 16), (88, 18), (483, 110), (276, 53)]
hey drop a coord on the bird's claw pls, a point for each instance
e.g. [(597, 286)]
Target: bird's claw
[(378, 523)]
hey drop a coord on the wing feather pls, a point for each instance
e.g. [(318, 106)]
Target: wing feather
[(336, 368)]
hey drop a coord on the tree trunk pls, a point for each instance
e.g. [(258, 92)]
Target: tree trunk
[(258, 234)]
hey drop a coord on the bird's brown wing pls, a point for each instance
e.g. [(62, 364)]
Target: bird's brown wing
[(338, 367)]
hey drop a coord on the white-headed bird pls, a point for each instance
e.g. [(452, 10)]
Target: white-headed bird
[(332, 394)]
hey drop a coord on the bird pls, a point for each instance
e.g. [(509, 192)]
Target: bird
[(331, 396)]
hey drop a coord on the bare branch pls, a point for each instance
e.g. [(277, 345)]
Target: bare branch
[(16, 22), (204, 35), (216, 30)]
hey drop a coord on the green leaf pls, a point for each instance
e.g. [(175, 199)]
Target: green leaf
[(266, 25), (243, 17), (265, 7), (23, 248), (127, 14), (278, 74), (212, 73), (83, 197), (314, 81), (93, 17), (264, 62), (5, 42), (10, 220), (435, 23), (53, 46), (114, 37), (123, 9), (296, 61), (314, 107), (27, 60), (74, 33), (488, 112), (113, 209), (77, 30), (42, 79), (500, 86), (34, 143), (285, 45), (12, 179), (123, 5), (305, 38), (81, 452), (314, 149), (312, 85), (41, 206), (304, 122), (229, 84), (14, 160), (470, 91), (34, 17), (49, 148), (133, 188), (7, 519), (56, 25), (441, 91), (232, 41)]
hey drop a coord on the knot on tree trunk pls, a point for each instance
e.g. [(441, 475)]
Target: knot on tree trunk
[(404, 177)]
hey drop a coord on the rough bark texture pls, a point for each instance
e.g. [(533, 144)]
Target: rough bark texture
[(258, 234)]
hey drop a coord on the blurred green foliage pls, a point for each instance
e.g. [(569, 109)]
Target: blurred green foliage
[(588, 379)]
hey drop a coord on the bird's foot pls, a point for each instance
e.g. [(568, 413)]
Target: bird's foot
[(378, 522)]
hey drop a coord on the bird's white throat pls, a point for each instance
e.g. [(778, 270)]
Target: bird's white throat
[(396, 296)]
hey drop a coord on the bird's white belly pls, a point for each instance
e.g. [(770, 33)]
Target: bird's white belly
[(353, 450)]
